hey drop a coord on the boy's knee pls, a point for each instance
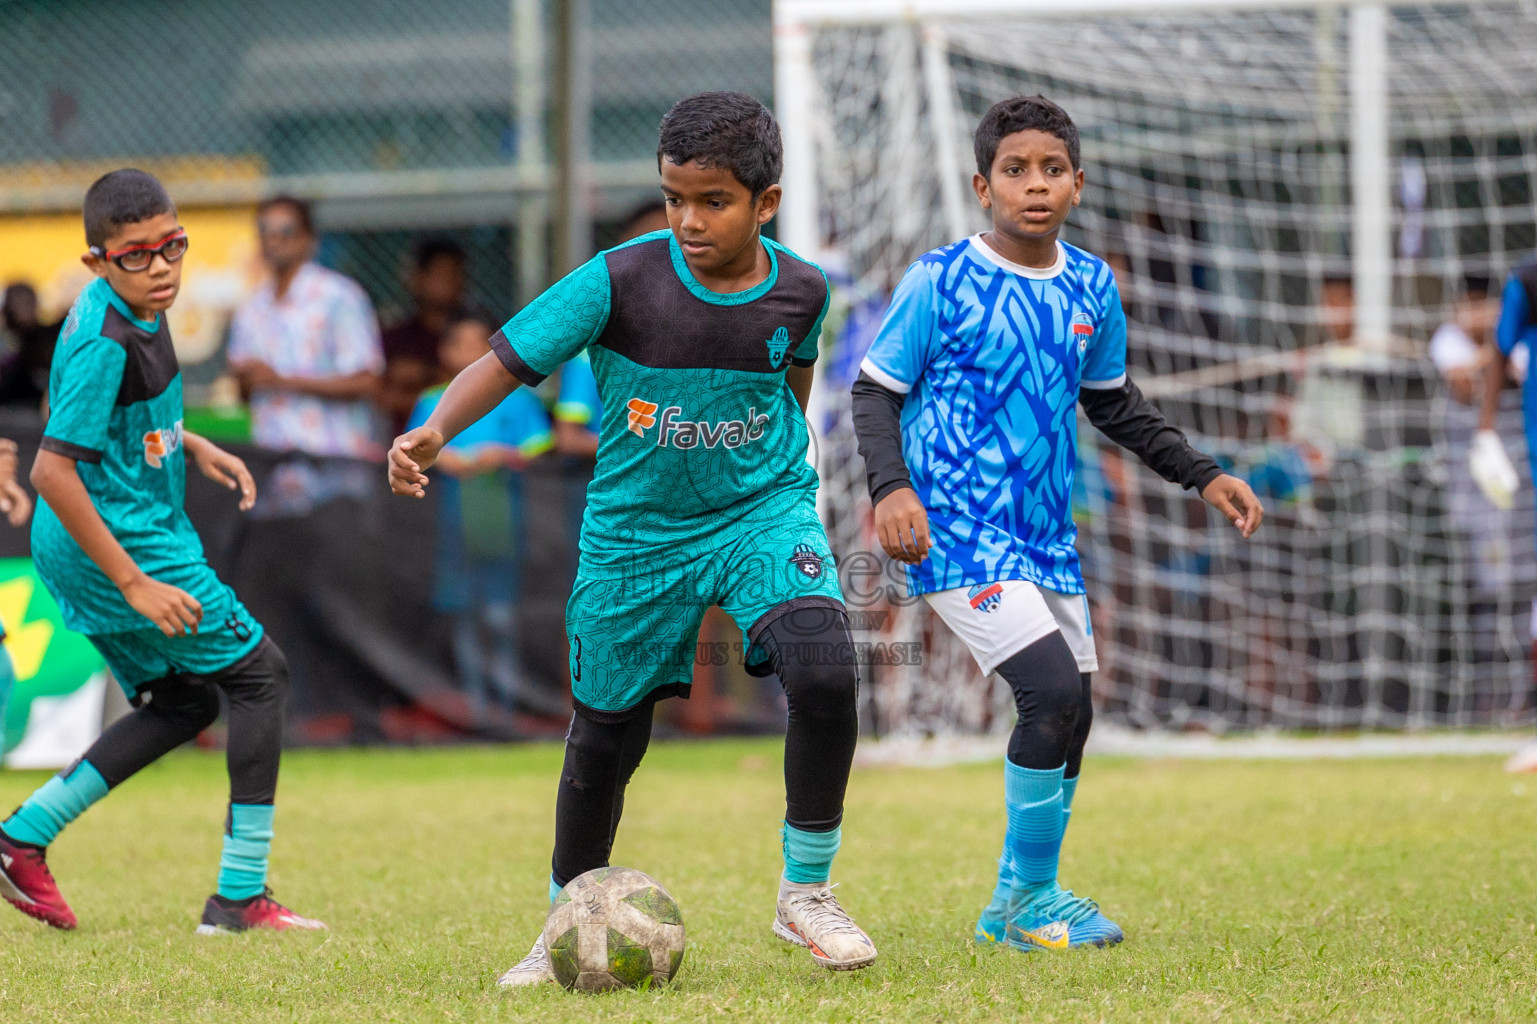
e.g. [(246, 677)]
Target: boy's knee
[(1045, 681), (261, 676), (189, 707), (813, 654)]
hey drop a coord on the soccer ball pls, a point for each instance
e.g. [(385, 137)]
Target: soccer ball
[(614, 928)]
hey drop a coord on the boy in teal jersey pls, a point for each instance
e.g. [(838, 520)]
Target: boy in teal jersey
[(113, 543), (702, 340), (16, 506)]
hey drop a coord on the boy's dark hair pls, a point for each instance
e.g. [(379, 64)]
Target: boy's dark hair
[(1477, 284), (471, 315), (1022, 114), (429, 249), (724, 129), (122, 197), (301, 209)]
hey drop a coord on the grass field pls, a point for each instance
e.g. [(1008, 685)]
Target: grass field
[(1264, 891)]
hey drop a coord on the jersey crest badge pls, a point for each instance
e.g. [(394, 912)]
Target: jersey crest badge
[(778, 347), (1083, 331), (807, 561), (642, 416), (986, 597)]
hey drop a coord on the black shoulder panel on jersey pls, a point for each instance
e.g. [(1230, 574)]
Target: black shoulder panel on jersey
[(656, 321), (151, 364)]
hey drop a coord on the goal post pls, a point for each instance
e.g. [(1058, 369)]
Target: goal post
[(1294, 196)]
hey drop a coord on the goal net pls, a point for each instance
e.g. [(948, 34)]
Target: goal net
[(1294, 199)]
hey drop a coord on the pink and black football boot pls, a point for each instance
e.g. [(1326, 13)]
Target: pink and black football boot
[(28, 885), (222, 915)]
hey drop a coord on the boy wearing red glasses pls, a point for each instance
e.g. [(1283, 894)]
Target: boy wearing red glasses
[(112, 541)]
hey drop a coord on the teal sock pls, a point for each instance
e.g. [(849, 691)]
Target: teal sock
[(555, 888), (57, 802), (243, 866), (809, 855), (1034, 799), (1069, 787)]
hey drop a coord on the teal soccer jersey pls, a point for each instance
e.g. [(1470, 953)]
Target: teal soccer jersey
[(702, 493), (115, 407)]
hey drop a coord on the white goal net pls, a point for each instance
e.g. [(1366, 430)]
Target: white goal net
[(1294, 199)]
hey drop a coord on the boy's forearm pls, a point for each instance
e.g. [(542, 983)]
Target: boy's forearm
[(1493, 384), (479, 388), (58, 483), (877, 413), (1125, 416), (799, 378), (196, 445)]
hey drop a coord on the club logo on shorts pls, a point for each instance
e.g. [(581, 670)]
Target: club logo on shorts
[(986, 597), (807, 561), (160, 443), (235, 624), (1083, 330), (642, 416), (779, 347)]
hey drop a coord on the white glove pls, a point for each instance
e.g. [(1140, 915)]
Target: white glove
[(1492, 469)]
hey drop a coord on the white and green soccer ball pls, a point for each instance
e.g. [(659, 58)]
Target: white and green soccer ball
[(614, 928)]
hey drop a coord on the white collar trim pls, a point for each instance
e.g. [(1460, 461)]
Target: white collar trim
[(1034, 273)]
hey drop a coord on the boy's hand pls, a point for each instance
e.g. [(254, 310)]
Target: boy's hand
[(172, 609), (411, 455), (902, 525), (15, 502), (229, 470), (1237, 503)]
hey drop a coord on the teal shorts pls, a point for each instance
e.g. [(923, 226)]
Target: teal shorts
[(636, 633), (227, 634)]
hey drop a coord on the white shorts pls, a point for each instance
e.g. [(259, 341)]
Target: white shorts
[(998, 620)]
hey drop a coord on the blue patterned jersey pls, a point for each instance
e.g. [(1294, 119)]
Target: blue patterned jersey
[(991, 355)]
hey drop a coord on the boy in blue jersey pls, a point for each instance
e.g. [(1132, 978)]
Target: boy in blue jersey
[(480, 523), (702, 340), (965, 410), (113, 543)]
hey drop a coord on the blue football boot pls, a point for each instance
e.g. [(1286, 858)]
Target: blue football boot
[(1056, 919)]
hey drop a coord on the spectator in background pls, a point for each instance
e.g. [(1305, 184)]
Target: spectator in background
[(411, 363), (1515, 332), (24, 368), (306, 348), (578, 409), (480, 526)]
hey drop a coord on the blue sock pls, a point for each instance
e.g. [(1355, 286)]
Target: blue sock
[(1069, 787), (57, 802), (809, 855), (555, 888), (1005, 884), (1034, 799), (243, 866)]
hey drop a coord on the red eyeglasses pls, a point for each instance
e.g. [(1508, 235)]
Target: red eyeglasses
[(135, 258)]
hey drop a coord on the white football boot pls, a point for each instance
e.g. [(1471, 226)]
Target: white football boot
[(809, 915), (533, 969)]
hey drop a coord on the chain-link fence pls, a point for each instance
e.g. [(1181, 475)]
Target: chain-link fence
[(399, 118)]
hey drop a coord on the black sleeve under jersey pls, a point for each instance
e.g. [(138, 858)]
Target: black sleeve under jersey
[(878, 426), (1125, 416)]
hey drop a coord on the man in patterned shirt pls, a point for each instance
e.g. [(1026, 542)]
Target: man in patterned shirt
[(966, 411), (306, 347)]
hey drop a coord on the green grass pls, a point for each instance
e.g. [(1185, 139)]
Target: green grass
[(1249, 891)]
